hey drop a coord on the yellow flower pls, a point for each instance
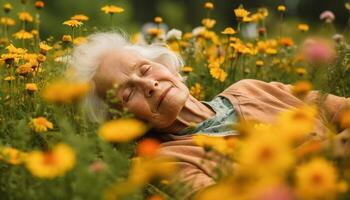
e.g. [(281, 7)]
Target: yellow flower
[(316, 180), (217, 143), (80, 17), (9, 78), (187, 69), (40, 124), (304, 117), (12, 49), (281, 8), (79, 40), (218, 73), (12, 155), (9, 58), (209, 5), (122, 130), (158, 20), (23, 35), (271, 51), (44, 47), (7, 7), (154, 32), (112, 9), (31, 87), (52, 163), (229, 31), (287, 42), (241, 13), (197, 92), (301, 88), (347, 6), (24, 69), (301, 71), (259, 63), (7, 21), (266, 149), (73, 23), (263, 12), (25, 17), (303, 27), (67, 38), (65, 92), (208, 23), (345, 119)]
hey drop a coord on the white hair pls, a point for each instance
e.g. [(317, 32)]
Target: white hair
[(87, 57)]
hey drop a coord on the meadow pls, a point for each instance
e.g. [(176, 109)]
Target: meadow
[(50, 150)]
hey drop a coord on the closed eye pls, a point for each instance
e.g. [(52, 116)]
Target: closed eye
[(144, 69), (128, 95)]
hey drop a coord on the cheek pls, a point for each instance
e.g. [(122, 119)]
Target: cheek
[(139, 108)]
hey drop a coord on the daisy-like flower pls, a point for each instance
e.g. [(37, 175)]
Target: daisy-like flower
[(229, 31), (111, 9), (25, 17), (327, 16), (174, 34), (12, 155), (53, 163), (281, 8), (23, 35), (65, 92), (31, 87), (44, 48), (317, 179), (122, 130), (39, 4), (80, 17), (303, 27), (73, 23), (7, 21), (158, 20), (209, 5), (241, 13), (7, 7), (40, 124)]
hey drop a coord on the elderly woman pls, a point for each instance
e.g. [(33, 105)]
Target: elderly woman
[(149, 86)]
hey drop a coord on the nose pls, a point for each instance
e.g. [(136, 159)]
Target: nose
[(147, 85)]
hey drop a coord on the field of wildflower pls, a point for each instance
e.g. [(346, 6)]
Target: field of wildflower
[(50, 150)]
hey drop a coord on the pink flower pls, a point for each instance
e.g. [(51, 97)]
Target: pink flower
[(317, 51), (97, 166), (327, 16)]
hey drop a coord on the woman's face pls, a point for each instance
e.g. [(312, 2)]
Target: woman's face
[(147, 89)]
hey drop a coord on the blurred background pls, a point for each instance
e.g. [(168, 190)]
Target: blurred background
[(181, 14)]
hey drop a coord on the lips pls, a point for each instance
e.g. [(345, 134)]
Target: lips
[(162, 96)]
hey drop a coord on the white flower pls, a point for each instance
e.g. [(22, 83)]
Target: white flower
[(174, 34), (198, 30)]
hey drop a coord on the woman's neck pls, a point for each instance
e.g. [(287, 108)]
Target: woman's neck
[(193, 112)]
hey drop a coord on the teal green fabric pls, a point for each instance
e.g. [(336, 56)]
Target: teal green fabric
[(221, 124)]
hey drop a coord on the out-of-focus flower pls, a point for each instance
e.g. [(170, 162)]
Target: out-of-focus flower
[(79, 40), (65, 92), (39, 4), (196, 91), (174, 34), (338, 38), (208, 23), (241, 13), (24, 1), (318, 51), (345, 119), (347, 6), (327, 16), (111, 9), (158, 20), (281, 8), (53, 163), (148, 147), (80, 18), (219, 144), (25, 17), (9, 78), (316, 180), (259, 63), (44, 48), (31, 87), (122, 130), (287, 42), (73, 23), (7, 7), (7, 21), (301, 71), (209, 5), (12, 155), (24, 69), (154, 32), (97, 166), (67, 38), (304, 116), (301, 88), (186, 69), (198, 31), (23, 35), (303, 27), (40, 124), (229, 31)]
